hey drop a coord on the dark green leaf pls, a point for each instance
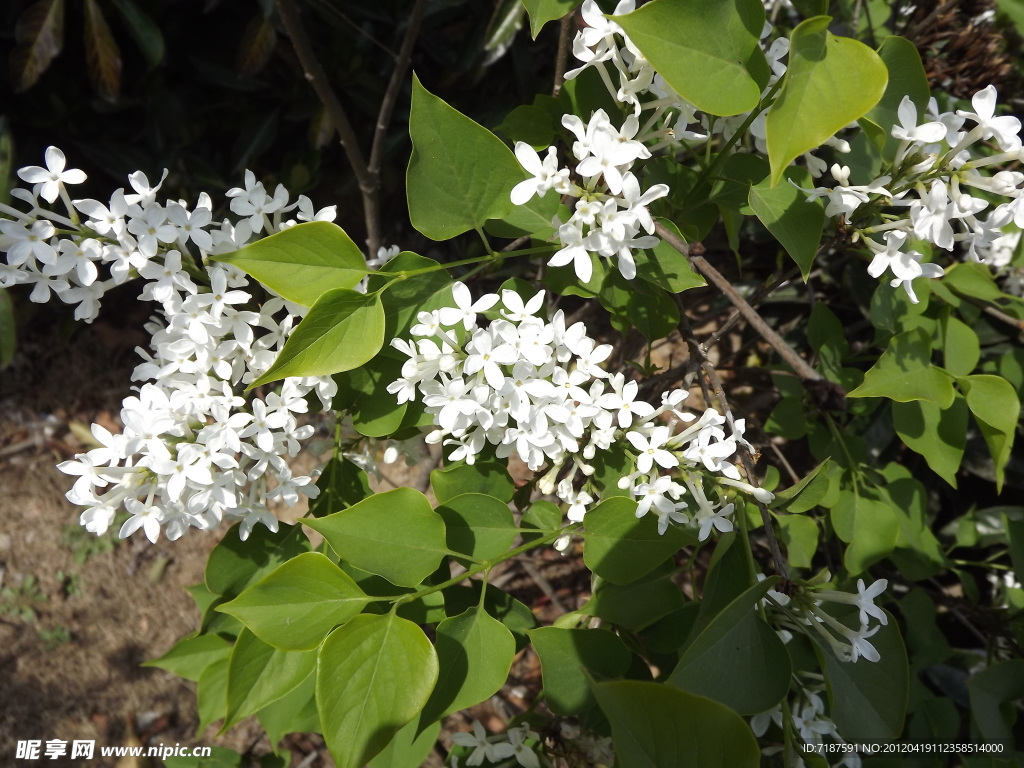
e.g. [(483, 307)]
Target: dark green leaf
[(938, 435), (477, 525), (190, 657), (234, 564), (904, 372), (786, 213), (567, 656), (259, 674), (487, 477)]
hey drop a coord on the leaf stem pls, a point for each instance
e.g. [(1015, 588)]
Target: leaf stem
[(486, 565)]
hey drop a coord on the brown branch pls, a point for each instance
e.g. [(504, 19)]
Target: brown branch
[(291, 17), (762, 293), (991, 311), (699, 353), (826, 393), (562, 56), (387, 107)]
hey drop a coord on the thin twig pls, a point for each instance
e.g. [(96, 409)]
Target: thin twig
[(545, 586), (762, 293), (797, 363), (387, 107), (562, 56), (291, 17), (699, 353), (988, 309)]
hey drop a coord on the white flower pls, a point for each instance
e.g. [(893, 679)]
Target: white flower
[(517, 747), (545, 174), (482, 749), (574, 251), (23, 244), (715, 519), (466, 309), (147, 517), (650, 450), (517, 310), (657, 494), (1004, 129), (909, 130), (48, 180)]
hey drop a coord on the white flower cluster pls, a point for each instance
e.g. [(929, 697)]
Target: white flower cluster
[(611, 209), (494, 749), (847, 644), (193, 451), (536, 389), (930, 179), (129, 235)]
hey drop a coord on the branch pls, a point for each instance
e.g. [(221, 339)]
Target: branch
[(562, 56), (699, 353), (387, 107), (826, 393), (291, 17)]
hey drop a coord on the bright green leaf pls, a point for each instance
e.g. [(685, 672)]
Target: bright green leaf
[(342, 331), (785, 212), (543, 11), (294, 713), (234, 564), (487, 477), (460, 174), (302, 262), (831, 82), (870, 528), (960, 346), (259, 674), (296, 606), (373, 676), (621, 547), (189, 658), (904, 372), (996, 408), (512, 613), (477, 525), (707, 50), (393, 534), (938, 435), (212, 693), (666, 267), (407, 750), (474, 653), (800, 535)]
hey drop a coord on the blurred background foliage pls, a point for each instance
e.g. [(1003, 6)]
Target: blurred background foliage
[(208, 88)]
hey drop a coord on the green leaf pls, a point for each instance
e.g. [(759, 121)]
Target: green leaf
[(736, 658), (460, 174), (487, 477), (870, 527), (831, 82), (219, 757), (302, 262), (868, 700), (568, 656), (636, 605), (622, 548), (296, 606), (532, 125), (785, 212), (543, 11), (343, 330), (784, 497), (407, 750), (989, 689), (800, 535), (668, 634), (532, 218), (960, 347), (363, 393), (904, 372), (657, 726), (477, 525), (405, 299), (341, 485), (707, 50), (259, 674), (540, 516), (475, 653), (652, 312), (729, 576), (788, 418), (666, 267), (513, 614), (212, 693), (293, 713), (190, 657), (235, 564), (906, 78), (974, 280), (145, 31), (938, 435), (373, 676), (996, 408), (394, 534)]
